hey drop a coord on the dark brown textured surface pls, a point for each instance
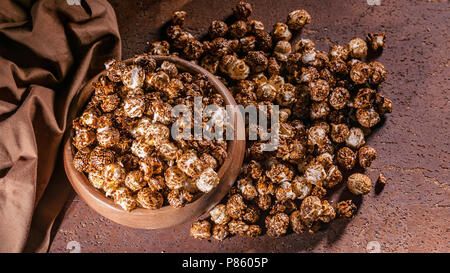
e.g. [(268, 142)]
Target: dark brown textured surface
[(411, 213)]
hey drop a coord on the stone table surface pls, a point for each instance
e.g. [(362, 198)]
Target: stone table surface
[(410, 214)]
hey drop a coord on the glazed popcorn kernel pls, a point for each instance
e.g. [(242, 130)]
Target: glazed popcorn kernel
[(377, 73), (179, 197), (319, 110), (81, 160), (201, 229), (346, 158), (345, 209), (174, 178), (108, 137), (251, 214), (235, 68), (217, 29), (89, 118), (123, 198), (133, 77), (114, 70), (282, 50), (281, 31), (358, 48), (178, 17), (360, 73), (383, 104), (297, 222), (366, 155), (207, 180), (242, 10), (277, 224), (159, 48), (238, 227), (219, 215), (100, 157), (257, 61), (297, 19), (189, 163), (359, 184), (284, 191), (304, 45), (220, 232), (328, 213), (339, 97), (301, 187), (315, 173), (279, 173), (264, 201), (238, 29), (236, 206), (339, 52), (339, 132), (376, 40), (355, 138), (367, 117), (149, 199), (135, 180), (382, 179), (254, 231), (310, 209), (319, 90), (246, 44), (247, 189), (364, 98), (334, 177), (84, 137), (96, 179)]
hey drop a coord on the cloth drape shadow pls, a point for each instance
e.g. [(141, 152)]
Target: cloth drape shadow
[(48, 50)]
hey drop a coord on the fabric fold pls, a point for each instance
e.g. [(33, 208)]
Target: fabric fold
[(48, 50)]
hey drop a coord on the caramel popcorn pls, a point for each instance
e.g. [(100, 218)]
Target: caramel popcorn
[(346, 158), (174, 178), (236, 206), (310, 209), (201, 229), (150, 199), (359, 184), (219, 215), (207, 180), (345, 209), (178, 198), (382, 179), (329, 104), (358, 48), (123, 198), (277, 224), (296, 222), (122, 138), (238, 227), (220, 232)]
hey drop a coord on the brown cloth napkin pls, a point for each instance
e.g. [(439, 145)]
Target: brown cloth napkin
[(48, 50)]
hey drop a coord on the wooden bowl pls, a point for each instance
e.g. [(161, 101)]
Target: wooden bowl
[(166, 216)]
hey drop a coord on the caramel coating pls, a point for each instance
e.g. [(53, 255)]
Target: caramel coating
[(201, 229), (359, 184), (149, 199)]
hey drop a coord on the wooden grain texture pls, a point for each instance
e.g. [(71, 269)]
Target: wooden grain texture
[(166, 216)]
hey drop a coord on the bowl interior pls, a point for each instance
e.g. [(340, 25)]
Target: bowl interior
[(166, 216)]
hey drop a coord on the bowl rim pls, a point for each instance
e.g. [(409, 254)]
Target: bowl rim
[(166, 216)]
